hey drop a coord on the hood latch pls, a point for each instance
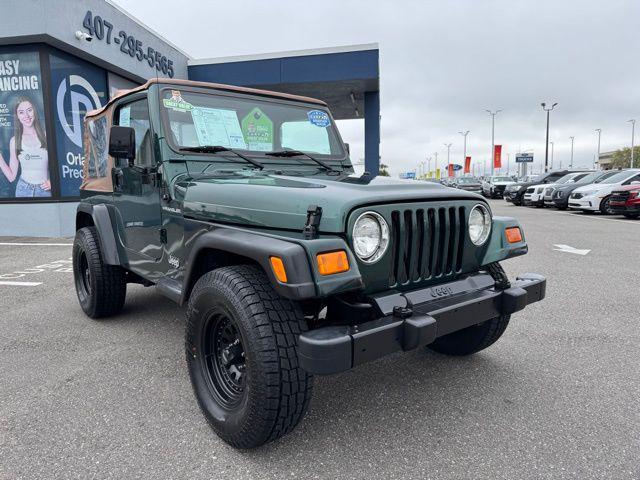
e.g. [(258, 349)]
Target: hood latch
[(314, 214)]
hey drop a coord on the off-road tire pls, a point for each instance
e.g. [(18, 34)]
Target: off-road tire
[(101, 288), (276, 392), (476, 337)]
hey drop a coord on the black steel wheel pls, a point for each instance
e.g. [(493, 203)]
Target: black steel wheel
[(241, 350), (224, 360)]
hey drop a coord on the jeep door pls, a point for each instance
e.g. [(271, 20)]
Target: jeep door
[(135, 193)]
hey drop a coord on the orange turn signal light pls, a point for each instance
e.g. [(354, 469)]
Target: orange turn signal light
[(514, 235), (332, 262), (278, 269)]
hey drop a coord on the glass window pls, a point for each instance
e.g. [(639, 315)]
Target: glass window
[(136, 116), (617, 178), (250, 124)]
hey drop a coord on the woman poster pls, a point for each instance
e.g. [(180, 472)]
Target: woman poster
[(28, 155)]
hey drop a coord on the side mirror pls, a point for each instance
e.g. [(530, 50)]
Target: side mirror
[(122, 143)]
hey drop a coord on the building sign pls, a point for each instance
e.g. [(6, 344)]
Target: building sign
[(24, 158), (77, 87), (104, 31), (524, 158), (408, 175)]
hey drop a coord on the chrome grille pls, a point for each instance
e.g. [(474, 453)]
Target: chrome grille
[(426, 243)]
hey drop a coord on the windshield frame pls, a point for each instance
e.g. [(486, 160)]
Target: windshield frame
[(342, 161)]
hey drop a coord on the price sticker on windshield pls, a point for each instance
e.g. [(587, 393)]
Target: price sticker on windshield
[(319, 118)]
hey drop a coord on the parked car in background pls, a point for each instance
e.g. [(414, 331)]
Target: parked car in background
[(549, 188), (514, 193), (470, 184), (561, 193), (495, 186), (596, 197), (626, 201)]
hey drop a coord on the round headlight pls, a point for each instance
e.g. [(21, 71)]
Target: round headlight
[(479, 224), (370, 237)]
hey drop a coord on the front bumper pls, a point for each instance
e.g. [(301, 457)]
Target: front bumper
[(585, 203), (622, 208), (435, 312)]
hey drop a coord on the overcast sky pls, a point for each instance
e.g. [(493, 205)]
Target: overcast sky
[(443, 63)]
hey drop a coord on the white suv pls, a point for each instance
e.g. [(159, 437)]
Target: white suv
[(595, 196)]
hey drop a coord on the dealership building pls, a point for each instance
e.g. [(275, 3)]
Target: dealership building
[(60, 59)]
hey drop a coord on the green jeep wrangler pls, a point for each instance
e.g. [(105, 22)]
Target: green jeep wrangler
[(243, 205)]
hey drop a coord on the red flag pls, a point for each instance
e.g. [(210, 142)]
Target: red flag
[(497, 156), (450, 167), (467, 165)]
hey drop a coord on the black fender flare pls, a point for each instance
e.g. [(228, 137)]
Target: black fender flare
[(102, 221), (259, 248)]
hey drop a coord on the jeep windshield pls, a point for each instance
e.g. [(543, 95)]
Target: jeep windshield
[(250, 125)]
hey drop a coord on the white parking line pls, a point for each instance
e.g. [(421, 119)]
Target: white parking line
[(599, 217), (22, 284), (19, 244)]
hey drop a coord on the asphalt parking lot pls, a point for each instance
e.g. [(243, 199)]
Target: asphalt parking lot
[(557, 397)]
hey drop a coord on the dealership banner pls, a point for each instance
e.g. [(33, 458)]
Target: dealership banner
[(24, 157), (467, 165), (450, 169), (76, 87), (497, 156)]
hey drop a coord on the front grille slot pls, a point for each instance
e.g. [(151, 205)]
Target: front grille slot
[(426, 244)]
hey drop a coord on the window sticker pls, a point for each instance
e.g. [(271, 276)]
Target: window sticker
[(257, 129), (215, 126), (125, 117), (176, 102), (319, 118)]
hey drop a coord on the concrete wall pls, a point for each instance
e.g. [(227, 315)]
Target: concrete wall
[(56, 21), (38, 219)]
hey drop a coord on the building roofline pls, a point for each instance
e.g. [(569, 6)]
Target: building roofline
[(290, 53), (146, 27)]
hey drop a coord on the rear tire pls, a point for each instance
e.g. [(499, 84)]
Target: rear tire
[(264, 393), (101, 288)]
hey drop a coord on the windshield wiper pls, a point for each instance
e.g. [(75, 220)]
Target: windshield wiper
[(218, 149), (298, 153)]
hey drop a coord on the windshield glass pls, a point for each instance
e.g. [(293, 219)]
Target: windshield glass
[(566, 178), (251, 125), (618, 177), (502, 179), (591, 178), (604, 176), (466, 180)]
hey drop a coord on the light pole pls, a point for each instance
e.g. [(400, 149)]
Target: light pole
[(436, 167), (551, 155), (599, 130), (464, 152), (493, 142), (448, 145), (633, 132), (571, 161), (546, 151)]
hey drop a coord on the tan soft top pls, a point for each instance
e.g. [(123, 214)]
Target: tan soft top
[(217, 86)]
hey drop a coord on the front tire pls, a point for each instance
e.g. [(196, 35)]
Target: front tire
[(241, 349), (631, 215), (101, 288), (476, 337), (605, 208)]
